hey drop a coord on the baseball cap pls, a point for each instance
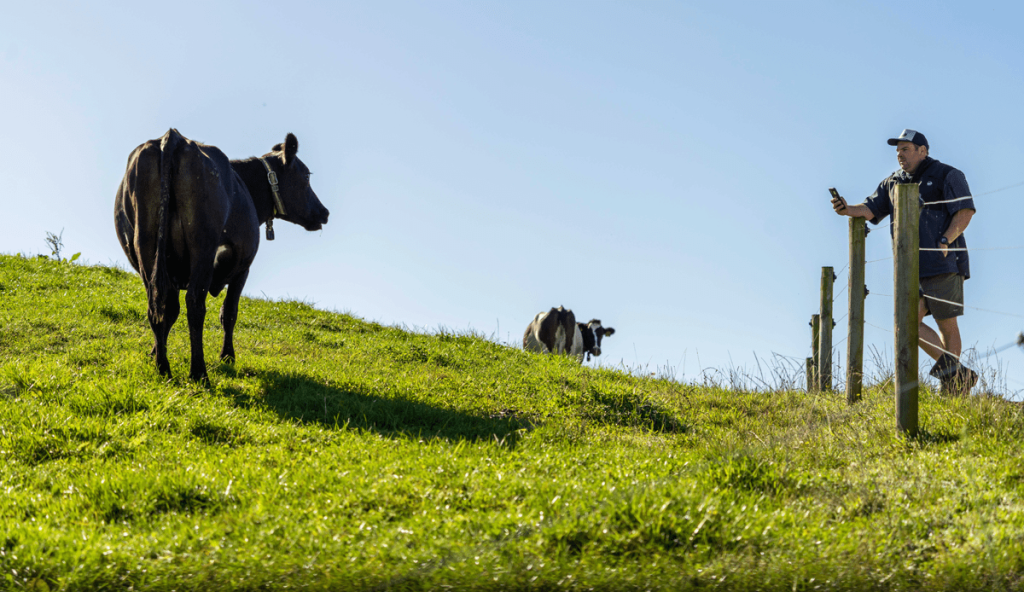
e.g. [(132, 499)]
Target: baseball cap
[(910, 135)]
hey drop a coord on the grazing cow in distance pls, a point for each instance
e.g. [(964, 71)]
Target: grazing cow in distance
[(556, 331), (189, 219)]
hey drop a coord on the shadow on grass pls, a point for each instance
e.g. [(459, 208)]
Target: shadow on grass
[(299, 398), (925, 438), (637, 412)]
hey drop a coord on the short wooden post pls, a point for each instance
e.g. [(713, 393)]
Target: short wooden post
[(815, 360), (825, 331), (855, 341), (906, 254), (811, 380)]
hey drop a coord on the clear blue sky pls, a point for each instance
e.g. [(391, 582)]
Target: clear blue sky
[(662, 166)]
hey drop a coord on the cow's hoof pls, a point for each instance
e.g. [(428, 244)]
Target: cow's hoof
[(227, 358)]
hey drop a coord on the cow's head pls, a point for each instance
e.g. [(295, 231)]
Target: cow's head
[(592, 334), (301, 205)]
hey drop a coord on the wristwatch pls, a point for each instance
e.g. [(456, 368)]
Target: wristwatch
[(944, 241)]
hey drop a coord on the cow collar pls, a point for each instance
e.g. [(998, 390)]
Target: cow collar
[(278, 205)]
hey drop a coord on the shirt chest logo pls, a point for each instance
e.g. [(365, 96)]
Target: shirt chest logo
[(929, 183)]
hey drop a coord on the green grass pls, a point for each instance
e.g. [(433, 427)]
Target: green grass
[(344, 455)]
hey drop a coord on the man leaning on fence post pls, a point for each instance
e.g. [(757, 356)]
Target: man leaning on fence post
[(943, 270)]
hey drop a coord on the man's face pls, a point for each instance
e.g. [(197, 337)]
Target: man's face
[(910, 155)]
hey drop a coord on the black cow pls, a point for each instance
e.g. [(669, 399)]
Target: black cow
[(556, 331), (188, 219)]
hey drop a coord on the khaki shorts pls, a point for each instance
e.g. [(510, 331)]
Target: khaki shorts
[(948, 286)]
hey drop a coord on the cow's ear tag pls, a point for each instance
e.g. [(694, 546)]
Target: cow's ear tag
[(270, 229)]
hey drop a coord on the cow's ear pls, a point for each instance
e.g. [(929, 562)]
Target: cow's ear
[(291, 146), (609, 331)]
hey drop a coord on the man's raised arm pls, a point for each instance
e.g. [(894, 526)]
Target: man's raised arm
[(858, 211)]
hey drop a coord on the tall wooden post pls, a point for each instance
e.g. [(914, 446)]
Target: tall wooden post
[(825, 331), (855, 341), (906, 254), (812, 386)]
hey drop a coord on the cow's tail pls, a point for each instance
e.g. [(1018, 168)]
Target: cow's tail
[(160, 281), (567, 320)]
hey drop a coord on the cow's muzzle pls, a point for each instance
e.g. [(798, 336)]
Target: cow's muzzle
[(317, 222)]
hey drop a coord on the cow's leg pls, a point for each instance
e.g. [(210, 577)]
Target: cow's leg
[(229, 314), (161, 331), (159, 351), (195, 303)]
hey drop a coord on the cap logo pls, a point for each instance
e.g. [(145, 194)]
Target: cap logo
[(908, 134)]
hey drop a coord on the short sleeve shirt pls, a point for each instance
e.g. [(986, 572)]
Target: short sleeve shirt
[(935, 219)]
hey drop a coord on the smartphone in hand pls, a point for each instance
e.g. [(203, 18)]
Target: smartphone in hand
[(838, 203)]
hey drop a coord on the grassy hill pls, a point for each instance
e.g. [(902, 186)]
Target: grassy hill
[(339, 454)]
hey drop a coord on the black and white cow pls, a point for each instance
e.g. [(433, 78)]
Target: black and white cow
[(556, 331)]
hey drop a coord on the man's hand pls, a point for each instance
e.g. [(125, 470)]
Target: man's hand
[(956, 227), (855, 211), (839, 205)]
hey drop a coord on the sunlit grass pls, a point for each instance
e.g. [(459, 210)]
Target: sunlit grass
[(340, 454)]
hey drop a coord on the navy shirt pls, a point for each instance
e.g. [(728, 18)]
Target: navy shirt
[(938, 182)]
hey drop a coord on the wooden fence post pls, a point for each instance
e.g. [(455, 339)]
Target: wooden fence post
[(825, 331), (812, 386), (855, 341), (906, 255)]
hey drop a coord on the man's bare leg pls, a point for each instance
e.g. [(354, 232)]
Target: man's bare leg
[(948, 339), (950, 335), (930, 341)]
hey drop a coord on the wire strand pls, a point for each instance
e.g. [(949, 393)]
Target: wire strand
[(967, 197), (945, 351), (1003, 348), (920, 340), (1001, 189), (877, 327), (989, 310), (964, 249), (945, 201), (1009, 314)]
